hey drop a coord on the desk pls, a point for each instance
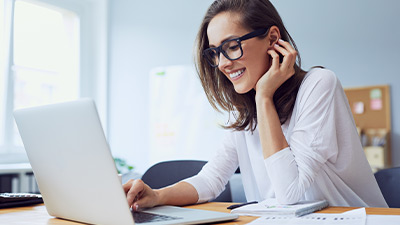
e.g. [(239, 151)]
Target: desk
[(37, 215)]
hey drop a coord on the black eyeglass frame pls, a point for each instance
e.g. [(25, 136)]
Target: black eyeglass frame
[(219, 49)]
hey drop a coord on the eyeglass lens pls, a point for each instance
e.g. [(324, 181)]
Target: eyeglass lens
[(230, 49)]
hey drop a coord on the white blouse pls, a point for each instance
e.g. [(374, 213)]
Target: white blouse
[(324, 160)]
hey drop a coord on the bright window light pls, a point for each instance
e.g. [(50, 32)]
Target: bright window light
[(2, 71), (45, 56)]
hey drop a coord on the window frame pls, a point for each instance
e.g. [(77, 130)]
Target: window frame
[(93, 66)]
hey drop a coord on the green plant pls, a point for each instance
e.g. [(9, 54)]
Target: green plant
[(122, 166)]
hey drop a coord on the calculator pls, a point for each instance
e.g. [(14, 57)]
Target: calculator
[(19, 199)]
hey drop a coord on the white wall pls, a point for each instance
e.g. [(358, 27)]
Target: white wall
[(144, 35), (357, 39)]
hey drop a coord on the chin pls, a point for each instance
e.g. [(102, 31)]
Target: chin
[(242, 90)]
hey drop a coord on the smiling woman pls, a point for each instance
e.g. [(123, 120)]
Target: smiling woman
[(293, 135)]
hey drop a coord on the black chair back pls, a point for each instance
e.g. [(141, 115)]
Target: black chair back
[(169, 172), (389, 183)]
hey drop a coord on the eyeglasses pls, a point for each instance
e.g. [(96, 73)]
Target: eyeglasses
[(231, 49)]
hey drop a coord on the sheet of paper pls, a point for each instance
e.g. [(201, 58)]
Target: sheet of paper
[(358, 107), (353, 217), (383, 219), (375, 94), (376, 104)]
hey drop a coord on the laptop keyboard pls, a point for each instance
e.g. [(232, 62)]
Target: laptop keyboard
[(143, 217)]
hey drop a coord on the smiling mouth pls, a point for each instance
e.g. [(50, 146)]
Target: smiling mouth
[(236, 74)]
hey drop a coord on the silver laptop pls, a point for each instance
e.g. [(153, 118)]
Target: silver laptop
[(75, 171)]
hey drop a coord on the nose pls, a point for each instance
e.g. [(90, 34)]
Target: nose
[(223, 62)]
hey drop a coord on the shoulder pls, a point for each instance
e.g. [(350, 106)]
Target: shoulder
[(318, 81), (320, 76)]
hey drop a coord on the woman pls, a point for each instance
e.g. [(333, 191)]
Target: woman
[(293, 137)]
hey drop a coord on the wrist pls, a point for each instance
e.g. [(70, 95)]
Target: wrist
[(262, 99), (160, 200)]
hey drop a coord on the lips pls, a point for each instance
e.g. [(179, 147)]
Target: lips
[(236, 75)]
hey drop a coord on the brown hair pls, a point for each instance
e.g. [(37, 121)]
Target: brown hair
[(254, 14)]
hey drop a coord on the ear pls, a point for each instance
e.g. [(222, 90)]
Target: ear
[(273, 35)]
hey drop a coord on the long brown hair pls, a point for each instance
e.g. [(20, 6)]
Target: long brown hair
[(254, 14)]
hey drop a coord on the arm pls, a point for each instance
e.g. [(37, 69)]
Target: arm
[(141, 195), (292, 169), (312, 140), (214, 176), (206, 185), (181, 193), (271, 135)]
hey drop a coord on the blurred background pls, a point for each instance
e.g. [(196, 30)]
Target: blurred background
[(135, 58)]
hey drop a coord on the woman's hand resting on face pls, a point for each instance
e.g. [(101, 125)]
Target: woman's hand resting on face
[(140, 194), (278, 72)]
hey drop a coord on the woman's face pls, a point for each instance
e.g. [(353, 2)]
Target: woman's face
[(244, 72)]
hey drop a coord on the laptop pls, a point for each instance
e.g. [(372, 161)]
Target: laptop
[(76, 173)]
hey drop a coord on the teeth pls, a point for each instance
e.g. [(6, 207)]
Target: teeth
[(236, 74)]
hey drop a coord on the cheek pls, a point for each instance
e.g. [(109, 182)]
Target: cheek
[(266, 62), (258, 64)]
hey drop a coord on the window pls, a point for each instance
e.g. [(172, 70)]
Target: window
[(45, 55), (41, 58), (2, 71)]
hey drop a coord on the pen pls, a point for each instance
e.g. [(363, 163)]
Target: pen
[(240, 205)]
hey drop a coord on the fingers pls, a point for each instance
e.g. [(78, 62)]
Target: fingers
[(289, 54), (278, 72), (282, 50), (288, 48), (133, 189), (144, 201), (127, 186), (275, 59), (140, 195)]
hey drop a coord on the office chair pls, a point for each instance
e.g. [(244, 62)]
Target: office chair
[(389, 183), (169, 172)]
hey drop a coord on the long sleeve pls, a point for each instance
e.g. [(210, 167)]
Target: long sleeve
[(211, 180), (324, 160), (312, 140)]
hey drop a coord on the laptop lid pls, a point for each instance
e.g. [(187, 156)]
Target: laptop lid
[(72, 163), (75, 171)]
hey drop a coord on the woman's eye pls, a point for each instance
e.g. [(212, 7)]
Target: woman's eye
[(213, 54), (233, 47)]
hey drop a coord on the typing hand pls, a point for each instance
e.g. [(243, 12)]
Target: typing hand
[(139, 194)]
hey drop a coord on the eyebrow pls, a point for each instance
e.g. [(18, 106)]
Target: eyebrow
[(225, 39)]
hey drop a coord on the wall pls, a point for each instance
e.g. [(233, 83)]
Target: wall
[(144, 35), (356, 39)]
